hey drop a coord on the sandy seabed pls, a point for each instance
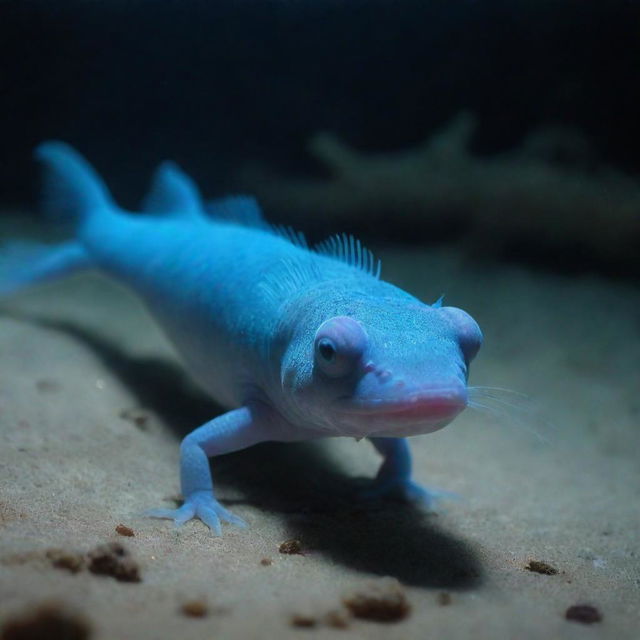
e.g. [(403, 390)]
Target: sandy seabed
[(93, 404)]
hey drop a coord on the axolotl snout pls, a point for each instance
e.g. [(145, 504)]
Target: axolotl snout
[(299, 343)]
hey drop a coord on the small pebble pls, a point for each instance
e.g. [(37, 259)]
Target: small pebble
[(123, 530), (304, 621), (291, 547), (444, 599), (266, 562), (381, 601), (537, 566), (194, 609), (113, 560)]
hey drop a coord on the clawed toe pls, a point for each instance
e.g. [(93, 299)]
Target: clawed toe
[(202, 506)]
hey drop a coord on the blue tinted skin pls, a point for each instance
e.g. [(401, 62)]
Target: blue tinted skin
[(297, 343)]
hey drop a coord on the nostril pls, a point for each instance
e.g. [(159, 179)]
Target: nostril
[(385, 375)]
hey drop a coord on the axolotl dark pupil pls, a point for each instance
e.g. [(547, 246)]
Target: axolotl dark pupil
[(327, 350)]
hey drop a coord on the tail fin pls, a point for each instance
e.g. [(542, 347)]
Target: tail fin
[(72, 190), (26, 263), (174, 193)]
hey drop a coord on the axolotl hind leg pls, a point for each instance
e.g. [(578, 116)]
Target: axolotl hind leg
[(394, 476), (232, 431)]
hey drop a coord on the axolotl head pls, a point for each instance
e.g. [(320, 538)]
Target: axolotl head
[(383, 367)]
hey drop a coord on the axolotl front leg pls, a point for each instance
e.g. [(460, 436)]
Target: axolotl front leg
[(232, 431), (394, 478), (244, 427)]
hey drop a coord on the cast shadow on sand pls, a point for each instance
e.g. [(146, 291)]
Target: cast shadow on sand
[(298, 481)]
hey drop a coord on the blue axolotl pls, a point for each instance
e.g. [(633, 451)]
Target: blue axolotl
[(299, 343)]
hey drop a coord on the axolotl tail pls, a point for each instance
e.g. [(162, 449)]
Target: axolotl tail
[(73, 193), (72, 190)]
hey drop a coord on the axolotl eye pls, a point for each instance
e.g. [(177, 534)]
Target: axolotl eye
[(339, 345), (467, 331)]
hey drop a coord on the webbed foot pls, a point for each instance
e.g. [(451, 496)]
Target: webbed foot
[(406, 490), (201, 505), (394, 477)]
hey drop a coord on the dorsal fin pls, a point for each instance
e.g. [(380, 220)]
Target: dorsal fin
[(350, 250), (172, 192), (296, 238), (242, 210), (246, 211)]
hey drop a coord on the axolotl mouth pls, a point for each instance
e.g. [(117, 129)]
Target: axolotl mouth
[(421, 412)]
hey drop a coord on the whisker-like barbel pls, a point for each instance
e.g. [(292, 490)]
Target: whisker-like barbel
[(509, 411)]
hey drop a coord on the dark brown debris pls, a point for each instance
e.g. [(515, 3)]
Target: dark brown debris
[(381, 601), (67, 560), (337, 619), (47, 622), (584, 613), (444, 599), (112, 559), (195, 608), (291, 547), (266, 562), (537, 566), (303, 621), (139, 417), (123, 530)]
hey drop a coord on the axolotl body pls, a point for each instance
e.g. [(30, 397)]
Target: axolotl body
[(299, 343)]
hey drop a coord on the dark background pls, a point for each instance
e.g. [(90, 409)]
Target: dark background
[(213, 83)]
